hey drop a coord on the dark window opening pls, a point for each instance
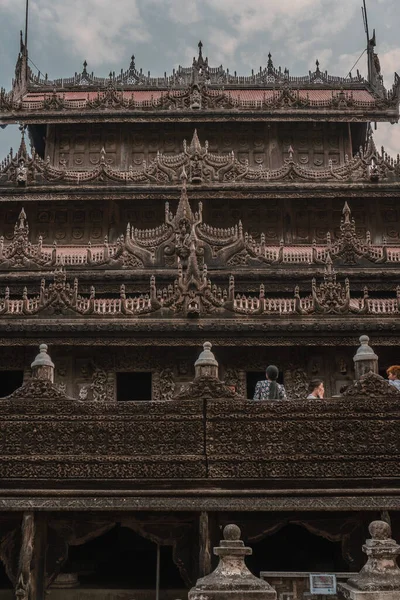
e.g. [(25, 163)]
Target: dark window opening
[(293, 548), (4, 580), (132, 387), (10, 381), (382, 373), (252, 377), (37, 135), (108, 562)]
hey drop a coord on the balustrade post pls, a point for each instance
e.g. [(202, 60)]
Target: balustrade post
[(232, 580), (206, 364), (379, 579), (42, 366), (365, 359)]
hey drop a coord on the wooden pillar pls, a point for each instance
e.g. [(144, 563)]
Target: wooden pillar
[(204, 545), (39, 559), (24, 583)]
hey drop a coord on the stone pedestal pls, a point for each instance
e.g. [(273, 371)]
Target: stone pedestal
[(379, 579), (348, 593), (232, 580)]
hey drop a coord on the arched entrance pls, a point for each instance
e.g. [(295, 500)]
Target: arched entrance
[(121, 558)]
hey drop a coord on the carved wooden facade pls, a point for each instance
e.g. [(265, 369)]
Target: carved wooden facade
[(151, 214)]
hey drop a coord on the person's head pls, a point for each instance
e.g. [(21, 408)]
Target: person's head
[(272, 372), (393, 372), (316, 388)]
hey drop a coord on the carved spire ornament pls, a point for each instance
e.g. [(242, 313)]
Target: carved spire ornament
[(365, 359), (43, 367)]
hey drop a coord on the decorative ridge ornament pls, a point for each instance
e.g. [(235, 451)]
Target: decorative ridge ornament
[(371, 385), (203, 167), (163, 245), (206, 383), (41, 386)]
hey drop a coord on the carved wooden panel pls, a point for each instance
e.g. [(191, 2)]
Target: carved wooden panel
[(311, 440), (313, 145), (43, 437), (262, 145)]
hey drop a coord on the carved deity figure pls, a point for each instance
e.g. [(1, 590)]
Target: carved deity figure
[(22, 173)]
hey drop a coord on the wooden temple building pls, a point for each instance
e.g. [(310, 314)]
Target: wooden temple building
[(141, 217)]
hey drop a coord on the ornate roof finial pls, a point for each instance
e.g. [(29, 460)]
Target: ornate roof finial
[(346, 212), (22, 151), (270, 64), (132, 66), (183, 176), (183, 211), (192, 274), (200, 45), (85, 64), (195, 146)]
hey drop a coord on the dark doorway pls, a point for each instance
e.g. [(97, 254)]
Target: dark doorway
[(10, 381), (122, 558), (133, 387), (4, 580), (252, 377), (294, 548)]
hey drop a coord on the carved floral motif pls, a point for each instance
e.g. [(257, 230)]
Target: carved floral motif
[(371, 385)]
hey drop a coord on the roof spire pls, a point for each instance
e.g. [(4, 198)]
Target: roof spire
[(369, 49), (270, 64), (200, 45), (26, 23)]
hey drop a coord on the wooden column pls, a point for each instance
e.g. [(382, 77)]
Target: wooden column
[(23, 585), (204, 545), (39, 559)]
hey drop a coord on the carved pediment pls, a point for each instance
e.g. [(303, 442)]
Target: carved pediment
[(207, 387), (38, 389), (371, 385)]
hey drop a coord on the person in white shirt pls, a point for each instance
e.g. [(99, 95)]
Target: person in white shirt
[(393, 374)]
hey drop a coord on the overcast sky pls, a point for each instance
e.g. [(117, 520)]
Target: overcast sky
[(164, 33)]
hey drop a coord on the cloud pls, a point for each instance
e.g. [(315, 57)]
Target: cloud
[(92, 30), (388, 136), (164, 33), (281, 18), (390, 62), (184, 12)]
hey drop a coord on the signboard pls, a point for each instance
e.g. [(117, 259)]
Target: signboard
[(322, 584)]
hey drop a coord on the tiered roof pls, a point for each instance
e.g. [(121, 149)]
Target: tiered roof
[(269, 92)]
